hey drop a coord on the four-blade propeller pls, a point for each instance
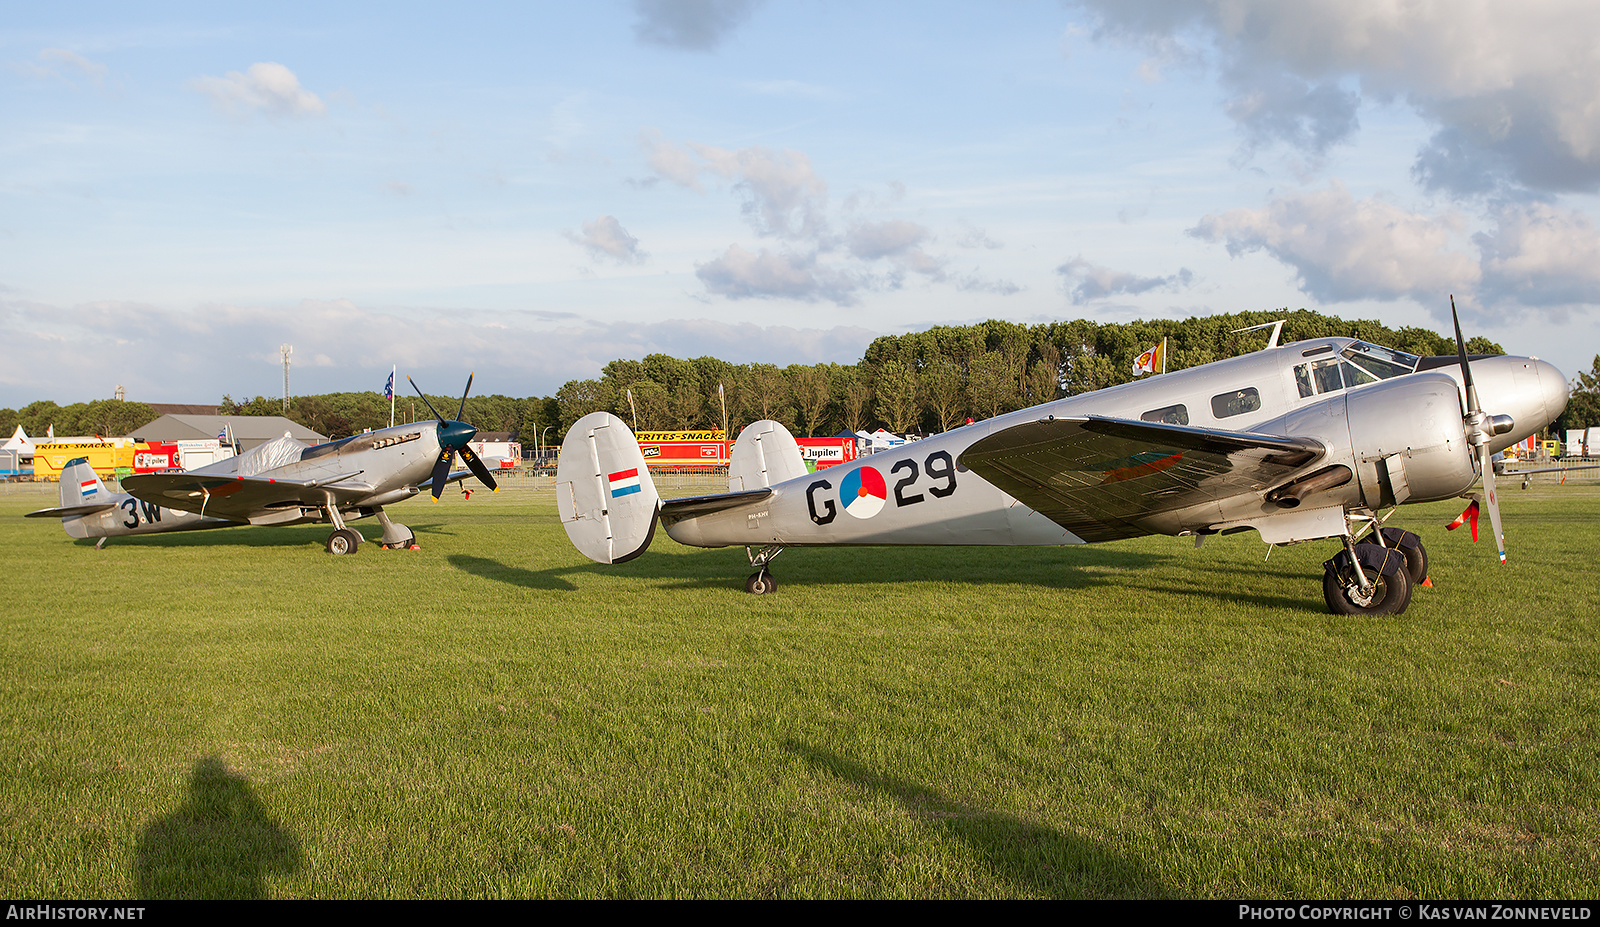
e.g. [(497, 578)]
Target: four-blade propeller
[(1480, 428), (454, 436)]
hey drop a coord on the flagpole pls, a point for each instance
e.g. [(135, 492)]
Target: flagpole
[(1163, 355), (392, 370)]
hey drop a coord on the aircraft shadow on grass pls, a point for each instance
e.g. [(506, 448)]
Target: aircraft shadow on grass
[(221, 843), (1046, 568), (1031, 856), (252, 536)]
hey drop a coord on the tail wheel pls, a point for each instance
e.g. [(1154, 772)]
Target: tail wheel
[(1389, 595), (760, 583), (344, 541)]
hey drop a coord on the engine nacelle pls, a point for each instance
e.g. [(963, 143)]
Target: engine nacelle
[(1409, 440), (1404, 440)]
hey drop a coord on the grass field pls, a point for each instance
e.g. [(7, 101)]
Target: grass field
[(238, 714)]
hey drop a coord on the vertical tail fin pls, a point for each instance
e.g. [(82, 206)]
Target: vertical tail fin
[(80, 485), (604, 494), (764, 456)]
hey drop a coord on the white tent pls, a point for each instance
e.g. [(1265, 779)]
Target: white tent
[(16, 455), (882, 440), (19, 442)]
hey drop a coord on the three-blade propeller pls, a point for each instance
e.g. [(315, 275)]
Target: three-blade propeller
[(454, 436), (1480, 428)]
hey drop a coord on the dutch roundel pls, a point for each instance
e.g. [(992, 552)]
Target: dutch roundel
[(863, 492)]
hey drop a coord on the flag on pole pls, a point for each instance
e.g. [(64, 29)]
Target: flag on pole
[(1153, 360), (388, 388)]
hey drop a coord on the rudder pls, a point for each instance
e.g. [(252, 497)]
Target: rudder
[(80, 485), (604, 494), (765, 455)]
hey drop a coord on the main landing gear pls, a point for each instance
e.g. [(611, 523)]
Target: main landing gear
[(347, 540), (1377, 576), (761, 581)]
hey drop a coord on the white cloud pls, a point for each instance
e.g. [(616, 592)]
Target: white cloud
[(1510, 86), (1086, 282), (606, 238), (61, 64), (82, 352), (1539, 255), (695, 25), (738, 274), (1346, 249), (266, 87)]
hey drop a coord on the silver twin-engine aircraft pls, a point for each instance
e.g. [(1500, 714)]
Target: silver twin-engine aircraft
[(1317, 439), (281, 482)]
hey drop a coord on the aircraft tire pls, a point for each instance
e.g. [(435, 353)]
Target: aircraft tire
[(344, 541), (760, 583), (1416, 564), (1391, 597), (1410, 546)]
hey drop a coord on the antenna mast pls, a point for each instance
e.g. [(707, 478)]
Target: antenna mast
[(286, 350)]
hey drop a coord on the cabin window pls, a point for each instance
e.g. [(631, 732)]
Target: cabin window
[(1236, 402), (1172, 415)]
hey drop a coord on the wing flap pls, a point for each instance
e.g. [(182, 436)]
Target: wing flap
[(1105, 478)]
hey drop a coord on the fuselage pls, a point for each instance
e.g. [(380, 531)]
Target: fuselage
[(1395, 421)]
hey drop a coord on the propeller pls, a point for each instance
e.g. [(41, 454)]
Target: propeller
[(1480, 428), (454, 436)]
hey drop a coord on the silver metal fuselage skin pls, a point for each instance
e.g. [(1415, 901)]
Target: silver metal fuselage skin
[(1403, 438), (391, 461)]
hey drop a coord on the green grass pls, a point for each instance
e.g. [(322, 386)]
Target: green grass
[(238, 714)]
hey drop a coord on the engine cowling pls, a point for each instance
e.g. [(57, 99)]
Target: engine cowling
[(1408, 440)]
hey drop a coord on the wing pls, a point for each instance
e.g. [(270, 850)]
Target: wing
[(241, 498), (1106, 478)]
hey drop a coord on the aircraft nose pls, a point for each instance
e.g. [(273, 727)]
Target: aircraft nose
[(1554, 388), (456, 434)]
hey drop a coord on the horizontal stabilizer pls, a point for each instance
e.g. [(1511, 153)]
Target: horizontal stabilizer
[(687, 506), (72, 511)]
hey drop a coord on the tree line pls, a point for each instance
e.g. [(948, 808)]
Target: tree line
[(921, 382)]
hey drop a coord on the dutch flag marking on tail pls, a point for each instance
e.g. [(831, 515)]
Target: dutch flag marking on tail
[(624, 482), (87, 488)]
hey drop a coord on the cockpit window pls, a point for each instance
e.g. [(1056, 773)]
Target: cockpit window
[(1373, 362)]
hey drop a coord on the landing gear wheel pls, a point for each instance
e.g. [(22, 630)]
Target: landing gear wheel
[(1416, 564), (760, 583), (1390, 594), (1410, 546), (344, 541)]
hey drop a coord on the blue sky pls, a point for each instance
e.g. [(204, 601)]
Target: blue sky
[(531, 190)]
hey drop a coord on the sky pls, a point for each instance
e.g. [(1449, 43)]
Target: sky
[(530, 190)]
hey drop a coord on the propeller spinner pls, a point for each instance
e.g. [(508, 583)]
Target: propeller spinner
[(454, 436)]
